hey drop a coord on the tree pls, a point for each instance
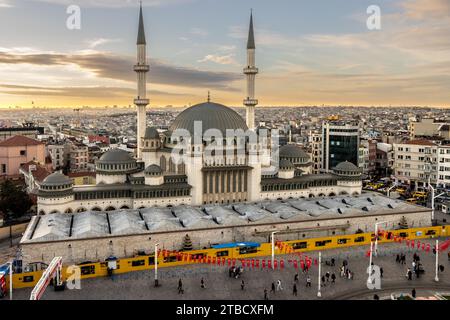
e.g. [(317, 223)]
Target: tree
[(187, 243), (14, 201)]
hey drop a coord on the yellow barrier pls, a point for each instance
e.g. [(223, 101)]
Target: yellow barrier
[(139, 263)]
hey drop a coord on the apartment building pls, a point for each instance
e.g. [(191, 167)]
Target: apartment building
[(59, 154), (415, 161), (78, 157), (315, 140), (443, 166)]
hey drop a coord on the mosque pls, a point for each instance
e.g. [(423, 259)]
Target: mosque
[(250, 171)]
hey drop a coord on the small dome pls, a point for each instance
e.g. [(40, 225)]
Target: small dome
[(153, 169), (116, 156), (347, 168), (292, 151), (56, 179), (151, 133), (286, 165)]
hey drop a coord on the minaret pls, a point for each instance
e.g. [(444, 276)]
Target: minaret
[(250, 71), (141, 69)]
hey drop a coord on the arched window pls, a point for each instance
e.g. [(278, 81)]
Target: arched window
[(162, 163)]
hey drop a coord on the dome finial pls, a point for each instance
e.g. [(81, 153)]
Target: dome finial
[(209, 97)]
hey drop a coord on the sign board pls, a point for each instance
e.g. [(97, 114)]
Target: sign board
[(419, 233), (112, 265)]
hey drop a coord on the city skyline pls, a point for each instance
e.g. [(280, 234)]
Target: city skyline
[(308, 54)]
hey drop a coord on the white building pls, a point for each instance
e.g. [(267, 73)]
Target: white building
[(443, 166), (209, 155)]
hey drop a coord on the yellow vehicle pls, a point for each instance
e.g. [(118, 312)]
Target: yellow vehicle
[(412, 200), (400, 190), (419, 194)]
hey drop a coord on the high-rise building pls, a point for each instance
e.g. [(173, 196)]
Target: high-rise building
[(340, 143)]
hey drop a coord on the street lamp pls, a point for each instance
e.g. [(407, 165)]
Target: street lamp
[(370, 260), (319, 294), (273, 248), (376, 237), (10, 279), (432, 199), (436, 278), (156, 264)]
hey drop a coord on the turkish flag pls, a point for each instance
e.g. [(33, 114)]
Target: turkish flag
[(269, 264), (229, 262), (368, 253), (423, 246), (281, 264), (223, 261), (213, 260), (412, 243), (275, 264), (444, 245), (253, 263), (428, 248), (263, 265), (295, 264), (418, 244), (302, 264), (315, 262), (257, 263), (234, 262)]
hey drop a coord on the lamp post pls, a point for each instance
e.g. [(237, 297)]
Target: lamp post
[(436, 278), (319, 294), (156, 264), (370, 260), (273, 248), (10, 279), (376, 236)]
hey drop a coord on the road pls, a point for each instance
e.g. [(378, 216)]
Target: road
[(219, 286)]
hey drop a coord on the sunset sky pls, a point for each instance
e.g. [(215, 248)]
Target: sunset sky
[(308, 52)]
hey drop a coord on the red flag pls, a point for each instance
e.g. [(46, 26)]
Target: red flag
[(407, 242), (444, 245), (368, 253), (295, 264), (423, 246), (257, 263), (428, 248), (223, 261), (308, 263), (269, 264), (412, 243), (253, 263), (213, 260), (315, 262), (275, 264), (281, 264), (302, 264), (234, 262), (418, 244), (263, 265), (229, 262)]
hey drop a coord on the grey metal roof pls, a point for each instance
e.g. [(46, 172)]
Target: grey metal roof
[(151, 133), (141, 32), (251, 37), (56, 178), (212, 116), (153, 168), (346, 166), (116, 156), (292, 151), (286, 164)]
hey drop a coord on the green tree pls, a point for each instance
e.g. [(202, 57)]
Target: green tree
[(14, 201)]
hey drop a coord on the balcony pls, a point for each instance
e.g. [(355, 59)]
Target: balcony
[(250, 102), (141, 68), (140, 102), (251, 70)]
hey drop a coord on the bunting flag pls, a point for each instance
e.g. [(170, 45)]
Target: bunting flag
[(281, 264), (368, 253), (315, 262), (295, 264), (223, 261), (418, 244), (263, 264), (302, 264), (229, 262), (269, 264), (412, 244), (444, 245), (423, 246), (234, 262), (257, 263), (428, 248), (275, 264)]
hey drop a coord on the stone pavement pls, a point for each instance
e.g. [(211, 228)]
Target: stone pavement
[(139, 285)]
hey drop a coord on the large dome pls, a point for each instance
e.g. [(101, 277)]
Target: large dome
[(56, 179), (212, 115)]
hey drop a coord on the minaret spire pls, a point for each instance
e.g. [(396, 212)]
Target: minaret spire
[(141, 32), (250, 71), (141, 69)]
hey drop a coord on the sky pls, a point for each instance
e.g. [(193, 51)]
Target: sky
[(308, 52)]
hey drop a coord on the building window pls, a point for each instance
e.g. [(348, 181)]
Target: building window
[(23, 152)]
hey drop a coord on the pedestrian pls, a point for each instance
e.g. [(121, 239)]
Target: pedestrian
[(230, 272), (376, 297), (296, 278), (397, 259), (242, 285), (202, 284), (342, 271), (294, 289), (409, 274), (403, 259), (381, 272), (266, 296), (333, 278), (273, 287), (279, 287), (332, 262), (308, 281), (180, 287), (323, 281), (414, 265), (327, 275), (413, 293)]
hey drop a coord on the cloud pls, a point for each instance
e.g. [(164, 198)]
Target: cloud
[(199, 32), (109, 66), (92, 44), (5, 4), (81, 92), (226, 59), (115, 3), (427, 9)]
